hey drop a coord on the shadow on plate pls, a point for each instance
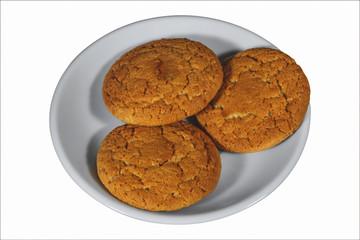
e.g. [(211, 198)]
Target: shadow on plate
[(91, 154), (97, 105), (231, 173), (222, 48)]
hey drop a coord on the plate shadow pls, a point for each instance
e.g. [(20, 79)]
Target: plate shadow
[(92, 151)]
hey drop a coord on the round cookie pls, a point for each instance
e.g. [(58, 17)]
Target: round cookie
[(263, 100), (163, 168), (162, 82)]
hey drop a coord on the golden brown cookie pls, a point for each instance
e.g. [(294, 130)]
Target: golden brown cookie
[(162, 168), (263, 100), (162, 82)]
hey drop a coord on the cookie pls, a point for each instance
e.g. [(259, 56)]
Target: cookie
[(263, 100), (162, 168), (162, 82)]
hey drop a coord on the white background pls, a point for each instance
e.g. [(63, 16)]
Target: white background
[(319, 199)]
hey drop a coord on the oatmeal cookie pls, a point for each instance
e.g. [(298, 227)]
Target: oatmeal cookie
[(263, 100), (162, 82), (162, 168)]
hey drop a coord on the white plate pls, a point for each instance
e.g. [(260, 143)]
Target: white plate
[(79, 121)]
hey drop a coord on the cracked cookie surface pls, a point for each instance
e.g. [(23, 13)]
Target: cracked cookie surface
[(263, 100), (163, 168), (162, 82)]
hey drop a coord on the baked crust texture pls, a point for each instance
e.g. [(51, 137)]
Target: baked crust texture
[(263, 100), (162, 82), (163, 168)]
